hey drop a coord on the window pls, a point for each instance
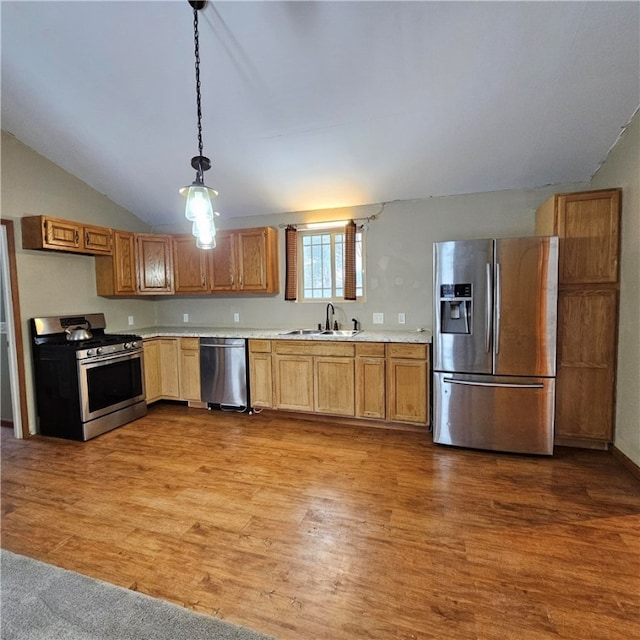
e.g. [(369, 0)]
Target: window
[(321, 275)]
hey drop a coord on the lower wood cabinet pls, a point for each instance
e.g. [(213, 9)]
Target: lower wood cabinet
[(260, 373), (161, 369), (190, 369), (334, 385), (382, 381), (293, 382), (371, 396), (407, 383)]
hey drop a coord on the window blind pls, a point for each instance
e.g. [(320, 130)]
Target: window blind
[(350, 261), (291, 258)]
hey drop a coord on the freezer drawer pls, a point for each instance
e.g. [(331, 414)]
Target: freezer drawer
[(499, 413)]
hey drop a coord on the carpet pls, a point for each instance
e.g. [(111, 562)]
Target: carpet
[(43, 602)]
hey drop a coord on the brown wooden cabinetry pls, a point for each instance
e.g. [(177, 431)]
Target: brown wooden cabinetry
[(116, 274), (190, 369), (407, 382), (189, 266), (588, 225), (154, 261), (161, 369), (366, 380), (370, 380), (245, 261), (53, 234), (260, 373)]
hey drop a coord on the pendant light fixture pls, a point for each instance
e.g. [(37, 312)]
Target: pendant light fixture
[(199, 209)]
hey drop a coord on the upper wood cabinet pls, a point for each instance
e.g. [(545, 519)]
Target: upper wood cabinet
[(245, 261), (588, 225), (154, 259), (189, 266), (53, 234), (116, 274)]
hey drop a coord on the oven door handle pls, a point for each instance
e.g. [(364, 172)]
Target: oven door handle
[(110, 357)]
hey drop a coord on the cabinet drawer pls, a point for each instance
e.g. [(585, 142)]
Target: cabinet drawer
[(190, 343), (370, 349), (311, 348), (259, 346), (411, 351)]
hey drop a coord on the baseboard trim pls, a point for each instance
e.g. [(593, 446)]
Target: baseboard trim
[(6, 423), (625, 461), (581, 443)]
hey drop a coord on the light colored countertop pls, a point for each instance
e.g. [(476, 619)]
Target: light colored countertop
[(419, 337)]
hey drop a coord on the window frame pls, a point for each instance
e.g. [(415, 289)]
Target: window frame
[(333, 232)]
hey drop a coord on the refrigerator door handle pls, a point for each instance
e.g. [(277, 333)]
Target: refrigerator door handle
[(506, 385), (496, 338), (487, 333)]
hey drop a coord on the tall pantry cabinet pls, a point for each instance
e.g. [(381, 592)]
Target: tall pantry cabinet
[(588, 225)]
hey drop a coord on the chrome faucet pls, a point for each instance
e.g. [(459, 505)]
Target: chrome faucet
[(327, 324)]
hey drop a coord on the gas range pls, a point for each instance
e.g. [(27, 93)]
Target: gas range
[(87, 381)]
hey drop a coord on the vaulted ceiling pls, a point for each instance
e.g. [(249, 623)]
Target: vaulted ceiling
[(310, 105)]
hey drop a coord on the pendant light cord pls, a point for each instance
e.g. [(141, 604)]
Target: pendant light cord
[(196, 40)]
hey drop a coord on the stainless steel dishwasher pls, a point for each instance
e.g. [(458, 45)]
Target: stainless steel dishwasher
[(223, 373)]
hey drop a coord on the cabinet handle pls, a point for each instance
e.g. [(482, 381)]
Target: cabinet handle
[(86, 238), (77, 237)]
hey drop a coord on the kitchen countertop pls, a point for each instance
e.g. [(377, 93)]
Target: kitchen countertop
[(420, 337)]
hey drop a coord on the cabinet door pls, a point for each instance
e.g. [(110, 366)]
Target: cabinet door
[(190, 369), (252, 256), (261, 380), (370, 388), (189, 266), (407, 390), (169, 371), (155, 263), (124, 262), (585, 382), (61, 234), (293, 382), (334, 386), (116, 274), (152, 373), (222, 263), (96, 240), (588, 226)]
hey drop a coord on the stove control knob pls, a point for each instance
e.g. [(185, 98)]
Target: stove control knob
[(127, 345), (89, 352), (134, 344), (98, 350)]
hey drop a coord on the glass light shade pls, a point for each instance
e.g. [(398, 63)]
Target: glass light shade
[(209, 244), (204, 228), (198, 201)]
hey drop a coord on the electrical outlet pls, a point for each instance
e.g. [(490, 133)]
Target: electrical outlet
[(401, 318), (185, 317), (130, 320), (378, 318), (236, 317)]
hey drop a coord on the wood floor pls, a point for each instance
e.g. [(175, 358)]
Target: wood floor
[(311, 531)]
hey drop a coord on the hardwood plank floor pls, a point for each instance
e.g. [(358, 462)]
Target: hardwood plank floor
[(315, 531)]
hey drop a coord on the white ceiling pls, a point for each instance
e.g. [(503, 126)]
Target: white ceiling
[(309, 105)]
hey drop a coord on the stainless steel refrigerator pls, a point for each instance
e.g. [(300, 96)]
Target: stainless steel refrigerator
[(494, 343)]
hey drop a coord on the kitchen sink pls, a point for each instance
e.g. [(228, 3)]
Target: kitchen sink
[(340, 333), (337, 333), (302, 332)]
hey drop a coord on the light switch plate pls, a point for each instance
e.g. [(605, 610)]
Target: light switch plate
[(401, 318), (130, 320), (185, 317), (236, 317), (378, 318)]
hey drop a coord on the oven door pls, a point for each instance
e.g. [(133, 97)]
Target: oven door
[(110, 383)]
